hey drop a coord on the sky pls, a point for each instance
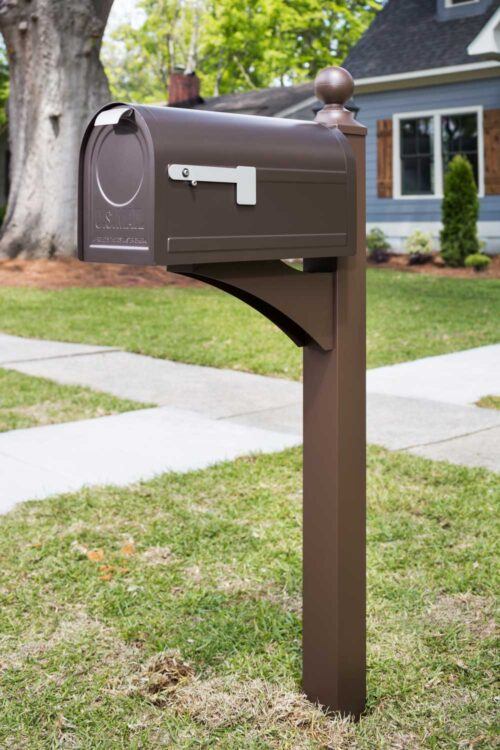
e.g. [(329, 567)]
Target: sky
[(121, 11)]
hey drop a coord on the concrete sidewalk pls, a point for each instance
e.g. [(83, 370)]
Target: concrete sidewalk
[(208, 415), (121, 449)]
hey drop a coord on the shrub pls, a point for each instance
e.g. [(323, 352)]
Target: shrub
[(378, 245), (477, 261), (459, 213), (419, 247)]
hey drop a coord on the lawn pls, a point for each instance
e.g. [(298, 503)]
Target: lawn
[(409, 316), (26, 401), (489, 402), (168, 614)]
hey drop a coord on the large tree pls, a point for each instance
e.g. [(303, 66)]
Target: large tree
[(56, 81)]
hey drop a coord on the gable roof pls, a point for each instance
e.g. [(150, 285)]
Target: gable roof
[(406, 35), (270, 101), (487, 42)]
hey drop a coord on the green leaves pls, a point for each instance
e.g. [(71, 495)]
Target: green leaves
[(138, 60), (236, 45)]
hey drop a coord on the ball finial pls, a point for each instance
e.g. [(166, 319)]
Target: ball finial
[(334, 85)]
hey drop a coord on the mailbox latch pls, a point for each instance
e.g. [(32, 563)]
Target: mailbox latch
[(245, 179)]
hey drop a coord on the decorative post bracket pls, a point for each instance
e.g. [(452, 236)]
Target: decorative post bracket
[(299, 303)]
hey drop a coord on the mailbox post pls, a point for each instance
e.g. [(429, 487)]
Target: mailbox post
[(226, 198), (334, 546)]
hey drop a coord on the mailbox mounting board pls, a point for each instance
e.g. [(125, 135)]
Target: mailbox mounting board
[(169, 186)]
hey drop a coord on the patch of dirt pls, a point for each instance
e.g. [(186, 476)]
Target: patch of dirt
[(193, 572), (162, 674), (435, 268), (73, 625), (158, 555), (41, 413), (403, 741), (61, 273), (224, 702), (229, 582), (475, 613), (271, 711)]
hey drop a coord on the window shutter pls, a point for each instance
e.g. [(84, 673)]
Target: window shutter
[(384, 158), (492, 151)]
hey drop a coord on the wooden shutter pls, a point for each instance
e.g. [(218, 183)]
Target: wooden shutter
[(492, 151), (384, 158)]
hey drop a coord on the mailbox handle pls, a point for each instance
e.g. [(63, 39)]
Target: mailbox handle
[(245, 179)]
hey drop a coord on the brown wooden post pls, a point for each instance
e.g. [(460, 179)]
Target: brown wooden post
[(334, 651)]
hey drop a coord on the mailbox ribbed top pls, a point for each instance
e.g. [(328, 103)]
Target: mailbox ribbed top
[(246, 140)]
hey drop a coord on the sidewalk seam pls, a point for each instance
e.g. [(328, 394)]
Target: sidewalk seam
[(450, 439), (256, 411), (60, 356)]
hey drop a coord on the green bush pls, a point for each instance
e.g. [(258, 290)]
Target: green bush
[(459, 213), (378, 245), (419, 247), (2, 214), (477, 261)]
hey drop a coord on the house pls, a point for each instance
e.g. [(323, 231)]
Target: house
[(427, 87)]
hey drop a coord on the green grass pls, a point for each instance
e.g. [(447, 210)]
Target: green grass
[(26, 401), (409, 316), (168, 614), (489, 402)]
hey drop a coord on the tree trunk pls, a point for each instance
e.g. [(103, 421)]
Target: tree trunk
[(56, 81)]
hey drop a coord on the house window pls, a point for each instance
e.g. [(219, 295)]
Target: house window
[(417, 158), (426, 142), (459, 136)]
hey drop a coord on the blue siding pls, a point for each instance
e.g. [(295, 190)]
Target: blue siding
[(382, 105)]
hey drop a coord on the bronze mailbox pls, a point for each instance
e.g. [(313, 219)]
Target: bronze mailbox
[(169, 186), (199, 192)]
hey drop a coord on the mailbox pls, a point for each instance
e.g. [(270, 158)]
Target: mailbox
[(199, 192), (169, 186)]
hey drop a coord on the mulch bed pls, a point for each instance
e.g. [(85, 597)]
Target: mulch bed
[(61, 273), (434, 268)]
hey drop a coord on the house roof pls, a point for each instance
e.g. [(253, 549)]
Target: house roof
[(407, 35), (268, 101)]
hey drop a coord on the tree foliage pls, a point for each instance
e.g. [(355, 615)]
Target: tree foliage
[(256, 43), (138, 60), (460, 210), (236, 44)]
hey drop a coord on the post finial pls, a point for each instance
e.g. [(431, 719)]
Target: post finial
[(334, 86)]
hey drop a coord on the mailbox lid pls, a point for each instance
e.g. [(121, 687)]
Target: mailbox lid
[(304, 188)]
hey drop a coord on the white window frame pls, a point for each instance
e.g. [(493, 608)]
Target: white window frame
[(436, 114), (451, 4)]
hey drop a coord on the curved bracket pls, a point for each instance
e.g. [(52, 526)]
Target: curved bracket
[(299, 303)]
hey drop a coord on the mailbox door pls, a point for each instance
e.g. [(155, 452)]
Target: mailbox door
[(116, 202)]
